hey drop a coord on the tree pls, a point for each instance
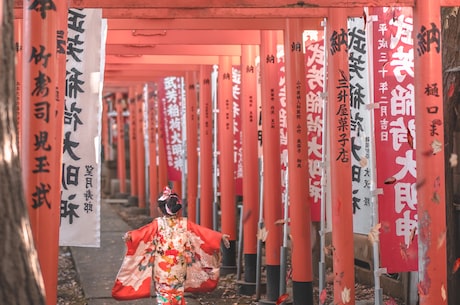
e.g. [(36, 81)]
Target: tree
[(451, 85), (20, 277)]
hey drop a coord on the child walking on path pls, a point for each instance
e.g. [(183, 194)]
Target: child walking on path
[(184, 256)]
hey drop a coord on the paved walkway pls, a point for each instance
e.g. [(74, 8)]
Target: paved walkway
[(98, 267)]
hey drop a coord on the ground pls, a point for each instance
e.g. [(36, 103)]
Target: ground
[(70, 291)]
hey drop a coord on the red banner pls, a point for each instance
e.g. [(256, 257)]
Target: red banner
[(395, 137), (170, 93), (237, 141), (314, 72)]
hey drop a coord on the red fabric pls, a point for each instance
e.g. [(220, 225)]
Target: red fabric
[(134, 278)]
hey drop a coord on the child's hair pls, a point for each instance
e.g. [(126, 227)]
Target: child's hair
[(171, 205)]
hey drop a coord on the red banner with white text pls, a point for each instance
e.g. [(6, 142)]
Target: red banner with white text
[(395, 137), (170, 96)]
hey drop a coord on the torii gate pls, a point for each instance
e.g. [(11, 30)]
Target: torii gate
[(430, 169)]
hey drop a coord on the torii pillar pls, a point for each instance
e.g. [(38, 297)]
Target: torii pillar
[(429, 126), (272, 161), (206, 153), (121, 155), (226, 161), (41, 141), (132, 146), (300, 210), (340, 156), (139, 104), (192, 139), (154, 188), (250, 167)]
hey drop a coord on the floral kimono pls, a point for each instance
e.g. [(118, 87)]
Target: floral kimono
[(184, 257)]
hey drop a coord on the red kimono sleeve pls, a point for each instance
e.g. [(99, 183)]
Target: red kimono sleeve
[(204, 270), (134, 278)]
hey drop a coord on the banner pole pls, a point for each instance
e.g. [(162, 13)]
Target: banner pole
[(260, 226), (324, 164), (374, 191), (284, 247), (215, 149)]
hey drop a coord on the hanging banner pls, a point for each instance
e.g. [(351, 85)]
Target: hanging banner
[(81, 167), (237, 145), (314, 73), (393, 62), (283, 120), (360, 125), (171, 94)]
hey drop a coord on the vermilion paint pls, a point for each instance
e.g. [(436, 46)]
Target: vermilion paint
[(251, 177), (192, 143), (225, 145), (340, 160), (132, 142), (206, 153), (429, 126), (121, 156), (139, 102), (271, 146)]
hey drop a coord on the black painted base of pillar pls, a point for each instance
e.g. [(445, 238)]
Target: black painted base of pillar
[(228, 259), (133, 201), (273, 282), (250, 267), (302, 292)]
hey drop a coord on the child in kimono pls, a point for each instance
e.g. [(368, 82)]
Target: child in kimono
[(184, 256)]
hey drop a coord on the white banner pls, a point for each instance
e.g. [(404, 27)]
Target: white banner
[(81, 170), (361, 128)]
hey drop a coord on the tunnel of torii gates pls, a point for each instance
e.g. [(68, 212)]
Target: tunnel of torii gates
[(151, 39)]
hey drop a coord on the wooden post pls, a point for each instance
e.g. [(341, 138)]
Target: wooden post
[(206, 136), (226, 160), (162, 157), (132, 144), (300, 210), (139, 104), (429, 126), (41, 171), (192, 139), (121, 155), (272, 163), (105, 128), (340, 157), (250, 160), (154, 188)]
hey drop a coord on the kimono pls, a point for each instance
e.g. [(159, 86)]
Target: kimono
[(180, 256)]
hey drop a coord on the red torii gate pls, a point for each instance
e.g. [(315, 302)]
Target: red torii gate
[(430, 166)]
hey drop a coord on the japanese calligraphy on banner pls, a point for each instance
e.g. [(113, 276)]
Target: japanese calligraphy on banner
[(171, 93), (314, 74), (283, 119), (395, 137), (237, 146), (81, 168), (360, 125)]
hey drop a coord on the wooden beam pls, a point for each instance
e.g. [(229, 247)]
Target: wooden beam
[(213, 13), (152, 49), (167, 59), (150, 67), (181, 37), (197, 4), (140, 74), (208, 24)]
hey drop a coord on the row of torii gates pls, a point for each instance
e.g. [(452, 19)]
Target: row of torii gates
[(292, 18)]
